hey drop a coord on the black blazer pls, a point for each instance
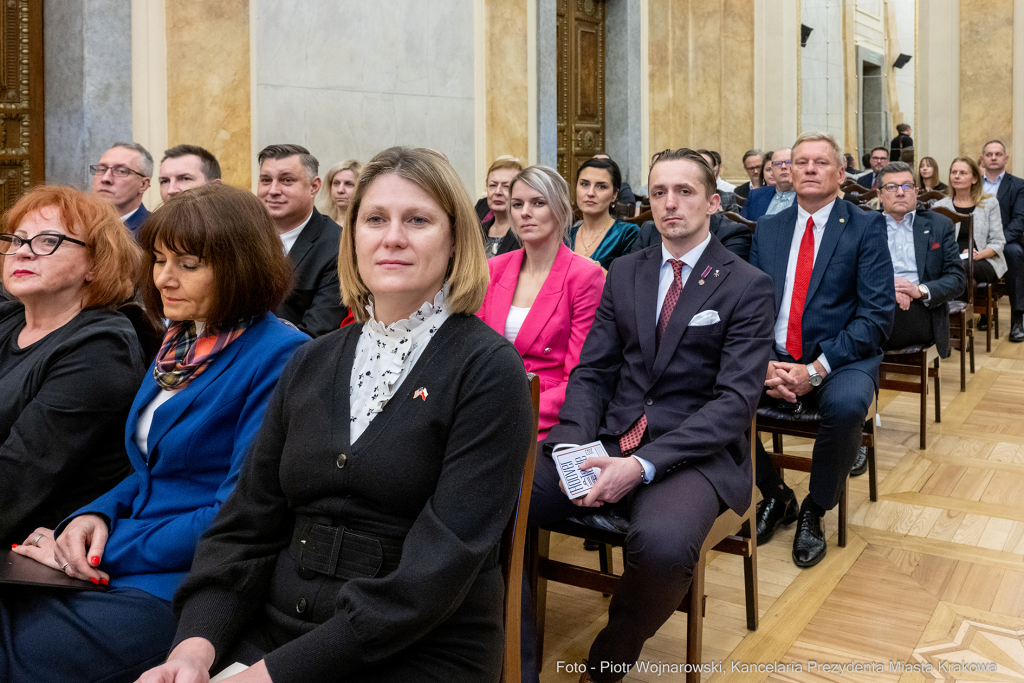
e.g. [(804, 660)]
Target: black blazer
[(1011, 206), (733, 236), (314, 306), (134, 222), (866, 180), (851, 300), (940, 269), (699, 390)]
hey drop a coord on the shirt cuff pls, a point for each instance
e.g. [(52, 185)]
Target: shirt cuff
[(648, 468), (824, 363)]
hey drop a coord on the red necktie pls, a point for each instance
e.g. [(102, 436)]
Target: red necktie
[(630, 441), (801, 281), (874, 182)]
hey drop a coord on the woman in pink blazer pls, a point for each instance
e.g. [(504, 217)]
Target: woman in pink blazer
[(543, 297)]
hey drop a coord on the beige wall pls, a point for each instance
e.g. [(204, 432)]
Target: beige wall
[(986, 73), (776, 72), (507, 79), (208, 101), (701, 77)]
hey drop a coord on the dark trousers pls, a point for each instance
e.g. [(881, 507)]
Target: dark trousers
[(911, 327), (669, 520), (1013, 252), (842, 400), (65, 635)]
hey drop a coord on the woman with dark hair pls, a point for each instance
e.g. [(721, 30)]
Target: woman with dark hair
[(767, 179), (362, 539), (928, 178), (599, 236), (70, 363), (217, 272)]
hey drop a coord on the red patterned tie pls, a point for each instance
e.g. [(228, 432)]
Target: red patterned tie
[(630, 441), (801, 281)]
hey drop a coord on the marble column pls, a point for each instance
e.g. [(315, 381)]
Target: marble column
[(507, 80)]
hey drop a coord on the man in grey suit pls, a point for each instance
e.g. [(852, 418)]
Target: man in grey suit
[(926, 263)]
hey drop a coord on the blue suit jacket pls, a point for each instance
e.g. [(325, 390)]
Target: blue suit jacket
[(851, 301), (757, 202), (196, 446), (134, 222)]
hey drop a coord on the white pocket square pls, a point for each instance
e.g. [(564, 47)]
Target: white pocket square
[(704, 318)]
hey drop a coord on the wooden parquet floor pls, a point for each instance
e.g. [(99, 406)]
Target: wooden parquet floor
[(932, 575)]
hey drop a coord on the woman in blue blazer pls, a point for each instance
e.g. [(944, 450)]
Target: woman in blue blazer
[(218, 270)]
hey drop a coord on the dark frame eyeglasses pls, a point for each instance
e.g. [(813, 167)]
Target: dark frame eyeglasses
[(10, 244), (892, 187), (118, 171)]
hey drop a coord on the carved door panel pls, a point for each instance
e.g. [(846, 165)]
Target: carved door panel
[(580, 83), (22, 139)]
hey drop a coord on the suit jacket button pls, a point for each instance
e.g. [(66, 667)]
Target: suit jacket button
[(300, 606), (341, 461), (547, 350), (649, 401)]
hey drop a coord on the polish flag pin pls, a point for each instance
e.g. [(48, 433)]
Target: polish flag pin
[(420, 393)]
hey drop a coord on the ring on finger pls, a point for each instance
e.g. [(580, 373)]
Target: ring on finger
[(64, 567), (35, 539)]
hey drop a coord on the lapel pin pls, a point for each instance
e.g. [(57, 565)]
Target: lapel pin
[(842, 220), (716, 273), (420, 393), (700, 281)]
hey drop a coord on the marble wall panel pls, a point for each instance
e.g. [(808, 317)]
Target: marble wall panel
[(737, 86), (822, 95), (349, 78), (623, 137), (507, 80), (208, 98), (986, 73)]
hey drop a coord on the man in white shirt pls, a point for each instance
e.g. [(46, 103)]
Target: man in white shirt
[(288, 184), (834, 303), (122, 176)]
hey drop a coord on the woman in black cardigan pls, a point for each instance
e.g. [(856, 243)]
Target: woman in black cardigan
[(361, 542)]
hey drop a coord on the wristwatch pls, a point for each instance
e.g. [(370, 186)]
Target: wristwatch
[(925, 294), (814, 379)]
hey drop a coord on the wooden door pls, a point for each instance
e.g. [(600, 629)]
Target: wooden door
[(580, 84), (22, 114)]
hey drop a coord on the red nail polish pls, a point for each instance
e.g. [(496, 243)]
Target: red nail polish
[(13, 546), (104, 582), (95, 560), (94, 580)]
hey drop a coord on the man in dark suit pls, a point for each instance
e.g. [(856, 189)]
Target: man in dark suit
[(733, 236), (834, 303), (926, 263), (122, 176), (752, 161), (288, 184), (767, 201), (671, 395), (878, 159), (1009, 191)]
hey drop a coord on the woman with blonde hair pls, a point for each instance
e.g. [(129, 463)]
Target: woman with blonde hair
[(337, 188), (497, 237), (363, 536)]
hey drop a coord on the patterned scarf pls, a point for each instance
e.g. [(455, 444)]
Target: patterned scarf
[(184, 355)]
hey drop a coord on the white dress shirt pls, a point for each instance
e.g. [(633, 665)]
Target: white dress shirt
[(130, 213), (665, 274), (288, 238), (990, 187), (901, 246), (724, 185), (782, 324)]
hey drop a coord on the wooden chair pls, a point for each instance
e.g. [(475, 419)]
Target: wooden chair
[(849, 184), (624, 210), (741, 200), (731, 533), (805, 424), (930, 197), (861, 195), (513, 545), (641, 219), (919, 361), (733, 216), (961, 313)]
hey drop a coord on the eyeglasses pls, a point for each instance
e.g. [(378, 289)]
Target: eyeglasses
[(45, 243), (892, 187), (118, 171), (781, 162)]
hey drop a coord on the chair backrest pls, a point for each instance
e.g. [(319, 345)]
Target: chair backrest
[(964, 222), (746, 222), (741, 200), (641, 219), (930, 197), (513, 546)]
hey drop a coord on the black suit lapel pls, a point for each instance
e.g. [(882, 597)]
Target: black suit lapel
[(923, 239), (304, 242), (1004, 189), (646, 297)]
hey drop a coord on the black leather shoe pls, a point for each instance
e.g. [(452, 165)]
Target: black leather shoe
[(1017, 333), (983, 323), (809, 542), (773, 513), (860, 463)]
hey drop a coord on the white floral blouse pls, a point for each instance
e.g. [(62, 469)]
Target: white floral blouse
[(385, 355)]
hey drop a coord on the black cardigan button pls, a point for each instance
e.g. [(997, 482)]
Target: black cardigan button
[(300, 606), (341, 461)]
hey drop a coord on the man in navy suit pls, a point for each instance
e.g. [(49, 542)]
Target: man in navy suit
[(122, 176), (668, 380), (1009, 191), (770, 200), (834, 306), (879, 158), (925, 260)]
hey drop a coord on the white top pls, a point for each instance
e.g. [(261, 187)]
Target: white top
[(385, 355), (782, 324), (514, 322), (288, 238), (901, 247), (665, 274), (146, 414), (724, 186), (130, 213)]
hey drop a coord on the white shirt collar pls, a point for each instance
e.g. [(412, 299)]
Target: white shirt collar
[(288, 238), (820, 216), (998, 179), (908, 220), (130, 213), (691, 257)]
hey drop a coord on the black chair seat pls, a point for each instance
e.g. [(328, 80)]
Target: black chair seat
[(917, 348), (957, 306), (801, 415)]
